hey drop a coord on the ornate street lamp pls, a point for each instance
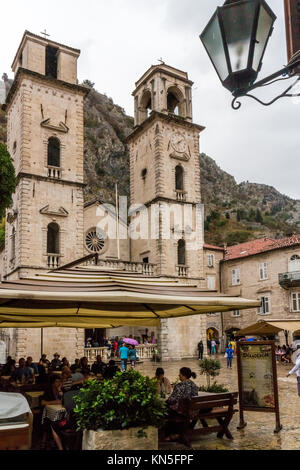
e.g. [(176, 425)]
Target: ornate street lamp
[(235, 39)]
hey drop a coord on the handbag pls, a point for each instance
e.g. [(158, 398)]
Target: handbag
[(225, 355)]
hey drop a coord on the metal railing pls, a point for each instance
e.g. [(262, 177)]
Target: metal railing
[(290, 279)]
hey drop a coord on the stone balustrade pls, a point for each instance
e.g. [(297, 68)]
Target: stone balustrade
[(53, 260), (144, 351), (54, 172), (146, 269), (182, 271), (180, 195)]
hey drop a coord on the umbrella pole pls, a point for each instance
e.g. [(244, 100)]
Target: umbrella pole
[(42, 341)]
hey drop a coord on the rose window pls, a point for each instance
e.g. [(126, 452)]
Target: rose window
[(95, 241)]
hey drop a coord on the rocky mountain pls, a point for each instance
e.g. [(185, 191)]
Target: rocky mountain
[(233, 212)]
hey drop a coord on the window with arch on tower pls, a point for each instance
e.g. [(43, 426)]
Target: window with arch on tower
[(179, 180), (53, 157), (145, 107), (175, 102), (53, 245), (181, 257), (53, 238)]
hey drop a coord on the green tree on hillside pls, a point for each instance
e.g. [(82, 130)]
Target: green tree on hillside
[(8, 180)]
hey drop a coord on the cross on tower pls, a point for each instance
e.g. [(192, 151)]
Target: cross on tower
[(161, 61), (44, 33)]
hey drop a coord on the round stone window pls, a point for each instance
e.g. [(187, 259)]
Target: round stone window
[(95, 240)]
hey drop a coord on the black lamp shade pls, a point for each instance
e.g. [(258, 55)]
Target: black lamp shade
[(236, 38)]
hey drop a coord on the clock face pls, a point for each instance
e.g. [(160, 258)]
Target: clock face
[(178, 142)]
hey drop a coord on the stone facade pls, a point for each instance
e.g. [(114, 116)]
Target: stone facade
[(41, 107), (45, 105), (255, 284)]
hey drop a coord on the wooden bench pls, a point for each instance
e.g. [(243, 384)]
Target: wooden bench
[(219, 407)]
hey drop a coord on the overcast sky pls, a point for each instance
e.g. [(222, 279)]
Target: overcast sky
[(121, 39)]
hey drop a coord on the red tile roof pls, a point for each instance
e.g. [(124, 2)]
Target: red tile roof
[(211, 247), (261, 245)]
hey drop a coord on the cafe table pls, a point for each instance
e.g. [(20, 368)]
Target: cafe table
[(33, 398)]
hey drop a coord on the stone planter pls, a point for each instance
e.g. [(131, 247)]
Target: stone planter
[(120, 440)]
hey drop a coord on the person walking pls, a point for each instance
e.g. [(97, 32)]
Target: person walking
[(132, 356), (229, 356), (213, 347), (209, 346), (200, 350), (124, 356), (296, 369)]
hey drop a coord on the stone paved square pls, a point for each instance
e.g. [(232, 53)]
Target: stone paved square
[(259, 432)]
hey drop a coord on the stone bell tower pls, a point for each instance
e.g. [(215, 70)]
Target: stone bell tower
[(165, 170), (165, 178), (44, 226), (45, 140)]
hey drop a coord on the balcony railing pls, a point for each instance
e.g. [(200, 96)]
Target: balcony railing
[(53, 260), (54, 172), (182, 271), (146, 269), (287, 280), (144, 352)]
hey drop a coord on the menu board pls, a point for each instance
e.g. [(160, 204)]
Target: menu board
[(257, 377)]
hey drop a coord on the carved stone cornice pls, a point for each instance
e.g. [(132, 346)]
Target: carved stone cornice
[(60, 213), (60, 128)]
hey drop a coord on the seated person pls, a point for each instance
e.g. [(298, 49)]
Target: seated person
[(111, 370), (32, 365), (67, 379), (99, 366), (76, 366), (52, 396), (44, 361), (84, 366), (55, 363), (9, 367), (186, 388), (64, 363), (163, 384), (285, 357), (23, 374)]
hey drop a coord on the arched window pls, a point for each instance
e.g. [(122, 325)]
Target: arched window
[(175, 102), (181, 253), (145, 106), (53, 239), (179, 178), (294, 264), (53, 152)]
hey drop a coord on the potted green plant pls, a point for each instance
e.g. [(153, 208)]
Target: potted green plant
[(211, 368), (123, 413)]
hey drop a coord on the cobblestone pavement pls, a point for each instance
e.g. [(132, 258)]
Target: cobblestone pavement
[(259, 433)]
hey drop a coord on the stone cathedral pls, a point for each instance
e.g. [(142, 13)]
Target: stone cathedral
[(50, 225)]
